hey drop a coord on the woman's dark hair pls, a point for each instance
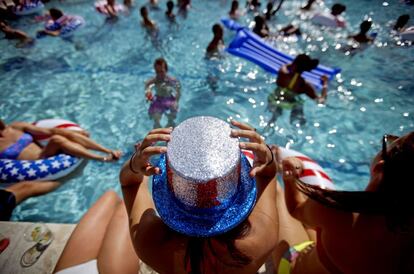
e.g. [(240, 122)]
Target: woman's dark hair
[(304, 63), (55, 13), (170, 5), (337, 9), (161, 61), (143, 11), (195, 257), (234, 5), (365, 26), (392, 199), (401, 21)]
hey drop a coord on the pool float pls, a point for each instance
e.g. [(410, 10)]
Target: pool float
[(312, 174), (67, 24), (250, 46), (408, 34), (100, 7), (328, 20), (54, 123), (51, 168), (29, 8)]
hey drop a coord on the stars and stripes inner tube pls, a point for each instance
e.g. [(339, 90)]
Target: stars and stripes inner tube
[(51, 168), (67, 24), (312, 173), (29, 8)]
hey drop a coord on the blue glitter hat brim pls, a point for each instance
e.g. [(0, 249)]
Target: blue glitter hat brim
[(203, 226)]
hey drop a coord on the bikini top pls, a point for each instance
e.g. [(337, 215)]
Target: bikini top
[(13, 151)]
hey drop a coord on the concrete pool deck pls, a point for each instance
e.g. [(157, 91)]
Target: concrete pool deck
[(10, 258)]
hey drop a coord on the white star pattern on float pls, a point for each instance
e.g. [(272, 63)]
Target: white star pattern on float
[(18, 170)]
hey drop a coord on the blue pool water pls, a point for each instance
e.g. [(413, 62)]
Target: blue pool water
[(98, 81)]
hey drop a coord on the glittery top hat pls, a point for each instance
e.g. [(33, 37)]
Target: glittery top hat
[(204, 188)]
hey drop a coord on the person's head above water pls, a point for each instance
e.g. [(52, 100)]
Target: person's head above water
[(337, 9), (234, 5), (365, 26), (218, 31), (144, 12), (401, 22), (303, 63), (259, 21), (170, 5), (160, 67), (55, 13)]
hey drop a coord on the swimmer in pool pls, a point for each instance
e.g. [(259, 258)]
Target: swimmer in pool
[(290, 85), (11, 33), (217, 44), (167, 94), (146, 22)]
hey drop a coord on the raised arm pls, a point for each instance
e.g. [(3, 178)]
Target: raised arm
[(311, 92)]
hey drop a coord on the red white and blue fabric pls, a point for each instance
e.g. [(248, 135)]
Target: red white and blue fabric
[(67, 24), (52, 168), (29, 7), (312, 173)]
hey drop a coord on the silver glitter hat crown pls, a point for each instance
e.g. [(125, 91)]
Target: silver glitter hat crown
[(204, 188)]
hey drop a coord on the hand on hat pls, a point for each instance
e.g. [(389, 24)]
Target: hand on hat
[(264, 164), (139, 162)]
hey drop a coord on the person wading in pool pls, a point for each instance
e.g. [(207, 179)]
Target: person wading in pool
[(369, 231), (17, 141), (290, 85), (167, 94)]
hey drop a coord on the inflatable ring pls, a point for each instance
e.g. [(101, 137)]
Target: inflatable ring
[(28, 9), (312, 174), (100, 7), (51, 168), (327, 19), (54, 123), (67, 24)]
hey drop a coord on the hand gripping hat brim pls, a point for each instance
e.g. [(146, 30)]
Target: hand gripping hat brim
[(205, 223)]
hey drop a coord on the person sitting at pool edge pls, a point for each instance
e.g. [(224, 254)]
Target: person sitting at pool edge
[(167, 94), (243, 249), (290, 84), (18, 141), (109, 249), (369, 231)]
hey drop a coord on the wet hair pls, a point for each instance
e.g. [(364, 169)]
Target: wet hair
[(161, 61), (55, 13), (365, 26), (170, 5), (259, 20), (401, 21), (234, 5), (217, 30), (194, 257), (304, 63), (393, 197), (143, 11), (2, 124), (337, 9)]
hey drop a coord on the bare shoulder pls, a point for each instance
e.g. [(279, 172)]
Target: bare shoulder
[(20, 125)]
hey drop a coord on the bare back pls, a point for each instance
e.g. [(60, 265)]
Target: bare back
[(164, 249)]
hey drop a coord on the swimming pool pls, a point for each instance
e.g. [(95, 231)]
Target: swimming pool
[(98, 81)]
